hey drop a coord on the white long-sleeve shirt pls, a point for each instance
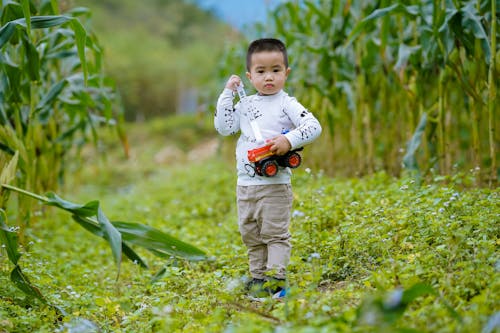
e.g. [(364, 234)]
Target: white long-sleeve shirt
[(274, 115)]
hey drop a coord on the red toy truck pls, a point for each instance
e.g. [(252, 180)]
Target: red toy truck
[(266, 162)]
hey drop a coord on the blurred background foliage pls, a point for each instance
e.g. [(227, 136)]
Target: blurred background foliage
[(405, 85), (162, 53), (398, 85)]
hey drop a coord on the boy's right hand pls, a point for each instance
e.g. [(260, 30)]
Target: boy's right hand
[(233, 82)]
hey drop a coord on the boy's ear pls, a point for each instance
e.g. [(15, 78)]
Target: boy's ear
[(288, 70), (249, 75)]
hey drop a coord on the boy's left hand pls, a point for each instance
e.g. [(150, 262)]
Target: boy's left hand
[(280, 145)]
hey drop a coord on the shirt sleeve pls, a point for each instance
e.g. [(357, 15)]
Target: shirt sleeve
[(307, 127), (226, 119)]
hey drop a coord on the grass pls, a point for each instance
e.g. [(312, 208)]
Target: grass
[(357, 245)]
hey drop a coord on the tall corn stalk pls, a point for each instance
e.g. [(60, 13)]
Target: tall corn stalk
[(492, 93), (391, 64), (53, 95)]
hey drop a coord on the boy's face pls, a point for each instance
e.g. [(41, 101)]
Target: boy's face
[(268, 73)]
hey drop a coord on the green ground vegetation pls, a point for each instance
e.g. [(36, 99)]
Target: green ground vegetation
[(371, 254)]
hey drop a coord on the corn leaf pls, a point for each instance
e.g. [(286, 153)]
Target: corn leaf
[(404, 54), (160, 242), (113, 237), (81, 38), (410, 160), (32, 65), (53, 93), (22, 282), (119, 234), (39, 22), (94, 228), (89, 209), (376, 14), (11, 11), (8, 238), (133, 256), (471, 20), (27, 15)]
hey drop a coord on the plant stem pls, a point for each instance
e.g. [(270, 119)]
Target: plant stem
[(18, 190), (492, 95)]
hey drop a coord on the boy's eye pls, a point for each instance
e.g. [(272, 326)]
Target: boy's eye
[(260, 71)]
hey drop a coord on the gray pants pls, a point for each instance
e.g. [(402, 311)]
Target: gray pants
[(264, 219)]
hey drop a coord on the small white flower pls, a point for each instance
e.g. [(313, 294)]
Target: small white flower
[(314, 255), (297, 213), (308, 171), (394, 299)]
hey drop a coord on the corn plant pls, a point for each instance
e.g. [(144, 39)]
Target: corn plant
[(378, 73), (121, 236), (53, 95)]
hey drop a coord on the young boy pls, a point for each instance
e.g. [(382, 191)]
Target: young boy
[(264, 203)]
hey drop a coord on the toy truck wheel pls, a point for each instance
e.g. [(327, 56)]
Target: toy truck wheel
[(293, 160), (269, 168)]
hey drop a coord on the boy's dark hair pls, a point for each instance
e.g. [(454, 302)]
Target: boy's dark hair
[(266, 44)]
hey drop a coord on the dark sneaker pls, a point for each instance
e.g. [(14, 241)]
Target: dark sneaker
[(276, 288), (280, 294), (254, 283), (255, 289)]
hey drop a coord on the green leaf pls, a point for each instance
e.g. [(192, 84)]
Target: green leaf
[(6, 33), (27, 15), (404, 53), (410, 159), (52, 95), (37, 22), (472, 21), (95, 229), (415, 291), (133, 256), (11, 11), (22, 282), (89, 225), (89, 209), (105, 228), (376, 14), (113, 237), (42, 22), (8, 238), (81, 38), (155, 240), (32, 62)]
